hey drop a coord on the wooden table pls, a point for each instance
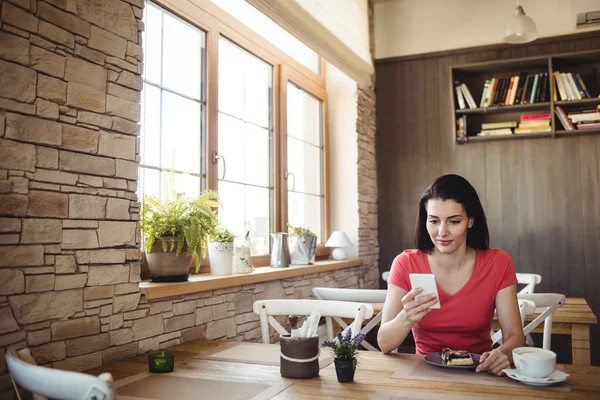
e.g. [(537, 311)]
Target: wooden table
[(373, 375), (572, 318)]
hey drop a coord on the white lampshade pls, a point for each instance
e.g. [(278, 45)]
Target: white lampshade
[(521, 28), (338, 239)]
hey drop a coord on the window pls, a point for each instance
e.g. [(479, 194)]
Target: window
[(173, 104), (305, 160), (245, 133)]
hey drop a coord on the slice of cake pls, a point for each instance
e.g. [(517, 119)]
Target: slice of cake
[(457, 357)]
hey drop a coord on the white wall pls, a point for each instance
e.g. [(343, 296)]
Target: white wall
[(348, 20), (343, 155), (404, 27)]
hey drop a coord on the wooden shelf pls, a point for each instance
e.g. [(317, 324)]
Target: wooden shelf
[(516, 136), (578, 132), (506, 109), (584, 102), (203, 282)]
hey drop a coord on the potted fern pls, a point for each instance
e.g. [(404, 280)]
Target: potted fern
[(344, 349), (220, 251), (176, 224), (302, 244)]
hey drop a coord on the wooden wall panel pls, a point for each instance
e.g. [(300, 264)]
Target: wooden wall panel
[(541, 196)]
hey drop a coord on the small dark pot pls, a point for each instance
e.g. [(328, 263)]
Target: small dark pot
[(344, 370), (297, 352)]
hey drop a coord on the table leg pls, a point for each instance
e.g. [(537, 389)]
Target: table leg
[(580, 344)]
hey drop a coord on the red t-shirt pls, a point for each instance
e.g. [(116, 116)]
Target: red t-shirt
[(464, 320)]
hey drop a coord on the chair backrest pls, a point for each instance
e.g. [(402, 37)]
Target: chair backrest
[(526, 308), (546, 304), (267, 309), (385, 275), (529, 280), (54, 383), (371, 296)]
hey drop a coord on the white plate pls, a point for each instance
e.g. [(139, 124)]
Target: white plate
[(555, 377)]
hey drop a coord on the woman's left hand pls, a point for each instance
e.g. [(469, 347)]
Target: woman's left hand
[(493, 362)]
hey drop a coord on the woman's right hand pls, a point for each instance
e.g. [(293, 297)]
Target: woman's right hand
[(415, 309)]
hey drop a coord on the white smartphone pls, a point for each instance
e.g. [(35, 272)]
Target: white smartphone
[(427, 283)]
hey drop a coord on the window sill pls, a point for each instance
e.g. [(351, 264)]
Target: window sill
[(204, 282)]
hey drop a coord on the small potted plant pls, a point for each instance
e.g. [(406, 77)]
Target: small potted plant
[(302, 244), (220, 251), (344, 349), (173, 224)]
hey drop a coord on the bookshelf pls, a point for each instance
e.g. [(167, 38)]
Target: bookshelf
[(475, 75)]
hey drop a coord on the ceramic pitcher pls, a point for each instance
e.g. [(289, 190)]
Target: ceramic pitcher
[(280, 255)]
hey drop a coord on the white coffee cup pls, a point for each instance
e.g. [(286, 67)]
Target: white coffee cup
[(534, 362)]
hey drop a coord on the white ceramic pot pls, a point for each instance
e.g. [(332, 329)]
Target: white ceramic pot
[(242, 260), (220, 256)]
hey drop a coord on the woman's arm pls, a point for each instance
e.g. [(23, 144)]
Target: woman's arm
[(400, 312), (507, 308)]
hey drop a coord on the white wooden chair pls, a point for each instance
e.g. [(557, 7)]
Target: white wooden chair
[(371, 296), (51, 383), (385, 275), (529, 280), (545, 304), (267, 309), (526, 308)]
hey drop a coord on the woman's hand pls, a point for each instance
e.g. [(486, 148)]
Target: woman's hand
[(493, 362), (415, 309)]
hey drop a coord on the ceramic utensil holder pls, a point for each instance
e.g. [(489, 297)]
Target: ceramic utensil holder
[(299, 357)]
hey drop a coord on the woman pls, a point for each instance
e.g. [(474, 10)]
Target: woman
[(473, 280)]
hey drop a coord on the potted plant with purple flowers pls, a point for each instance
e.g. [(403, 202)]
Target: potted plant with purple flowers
[(344, 349)]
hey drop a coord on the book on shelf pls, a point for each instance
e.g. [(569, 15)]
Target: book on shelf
[(461, 129), (571, 86), (590, 125), (534, 123), (468, 97), (463, 96), (495, 132), (499, 125), (564, 119), (460, 98), (584, 116)]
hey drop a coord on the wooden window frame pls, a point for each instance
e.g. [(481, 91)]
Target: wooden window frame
[(216, 22)]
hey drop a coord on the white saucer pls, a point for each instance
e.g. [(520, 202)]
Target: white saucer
[(555, 377)]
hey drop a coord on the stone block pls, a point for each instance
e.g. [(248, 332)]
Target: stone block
[(15, 155), (31, 308), (88, 98), (185, 307), (79, 239), (10, 225), (195, 333), (129, 79), (39, 283), (147, 327), (13, 205), (35, 338), (64, 178), (220, 311), (49, 352), (41, 231), (126, 169), (123, 108), (112, 233), (79, 139), (21, 256), (47, 204), (124, 126), (14, 48), (112, 183), (17, 82), (134, 274), (108, 275), (83, 206), (125, 288), (12, 238), (118, 146), (52, 89), (38, 270), (7, 321), (64, 282), (127, 302), (216, 329), (103, 256), (65, 264), (107, 42), (89, 54), (123, 92), (46, 109), (116, 322), (160, 307), (65, 20), (179, 322), (19, 184), (135, 314), (85, 73), (86, 164), (117, 209), (80, 363), (20, 18), (98, 292), (47, 62), (112, 15), (29, 129), (147, 345), (11, 105), (134, 50), (100, 120), (204, 315), (88, 344), (43, 43), (90, 180), (75, 327), (56, 34)]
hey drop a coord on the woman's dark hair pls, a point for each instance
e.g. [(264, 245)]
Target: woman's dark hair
[(457, 188)]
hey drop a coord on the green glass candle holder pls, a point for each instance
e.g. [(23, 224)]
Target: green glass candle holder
[(161, 362)]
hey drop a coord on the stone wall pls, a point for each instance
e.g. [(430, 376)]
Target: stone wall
[(69, 234), (368, 242)]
